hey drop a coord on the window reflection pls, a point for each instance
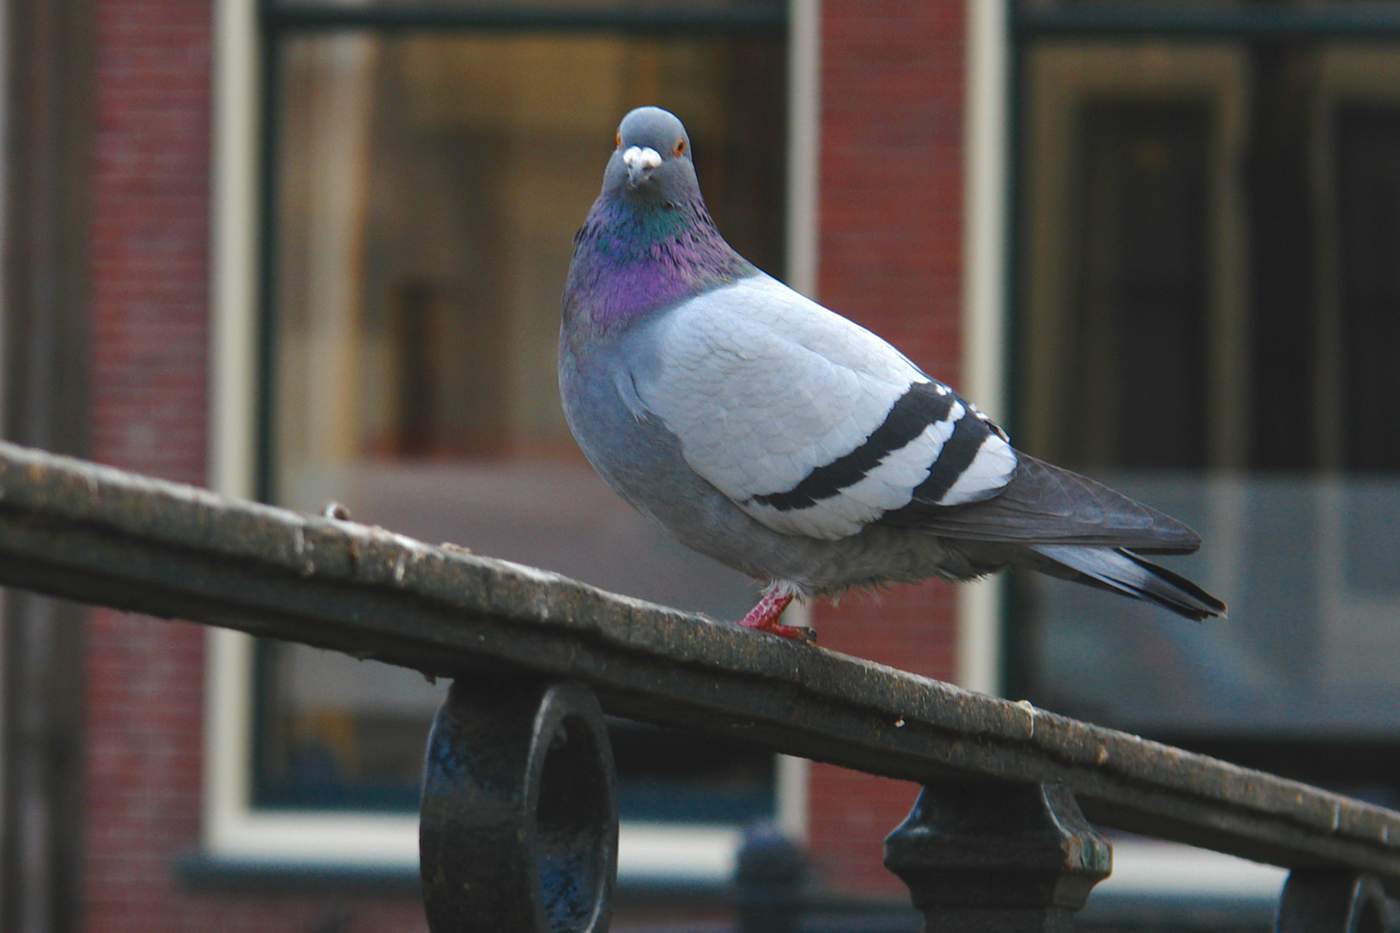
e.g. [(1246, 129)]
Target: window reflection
[(427, 193), (1208, 321)]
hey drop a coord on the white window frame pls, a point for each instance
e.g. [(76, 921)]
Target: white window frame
[(985, 176), (4, 217), (1140, 866), (234, 829)]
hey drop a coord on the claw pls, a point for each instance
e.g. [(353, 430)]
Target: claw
[(764, 618)]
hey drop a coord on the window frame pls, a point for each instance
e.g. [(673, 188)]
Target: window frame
[(1001, 37), (1351, 49), (241, 292)]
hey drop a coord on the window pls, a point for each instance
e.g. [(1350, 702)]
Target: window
[(1205, 317), (423, 187)]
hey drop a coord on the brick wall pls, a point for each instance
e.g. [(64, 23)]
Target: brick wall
[(150, 270), (149, 329), (892, 78), (891, 245)]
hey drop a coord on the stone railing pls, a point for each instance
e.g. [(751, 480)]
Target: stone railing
[(519, 820)]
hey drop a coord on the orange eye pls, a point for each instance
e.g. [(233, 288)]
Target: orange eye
[(679, 148), (617, 140)]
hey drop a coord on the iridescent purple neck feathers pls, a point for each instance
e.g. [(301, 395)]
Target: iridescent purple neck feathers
[(631, 259)]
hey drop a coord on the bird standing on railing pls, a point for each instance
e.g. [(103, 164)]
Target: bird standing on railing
[(782, 439)]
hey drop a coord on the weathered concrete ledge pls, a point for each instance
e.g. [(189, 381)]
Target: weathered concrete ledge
[(102, 536)]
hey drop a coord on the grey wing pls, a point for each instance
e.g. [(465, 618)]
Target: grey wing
[(1045, 504), (809, 423)]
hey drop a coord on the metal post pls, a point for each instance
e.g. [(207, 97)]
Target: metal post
[(768, 881), (990, 856), (1333, 902), (519, 813)]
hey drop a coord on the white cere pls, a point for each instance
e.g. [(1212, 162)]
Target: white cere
[(646, 157)]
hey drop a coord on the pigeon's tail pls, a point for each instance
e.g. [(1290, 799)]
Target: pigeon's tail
[(1122, 571)]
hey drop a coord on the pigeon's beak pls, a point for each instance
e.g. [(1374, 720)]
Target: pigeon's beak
[(640, 162)]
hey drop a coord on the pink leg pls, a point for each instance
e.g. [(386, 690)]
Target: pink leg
[(764, 617)]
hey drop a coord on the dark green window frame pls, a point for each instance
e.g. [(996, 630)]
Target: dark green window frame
[(1031, 25), (281, 21)]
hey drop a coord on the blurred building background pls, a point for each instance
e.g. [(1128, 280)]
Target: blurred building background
[(311, 250)]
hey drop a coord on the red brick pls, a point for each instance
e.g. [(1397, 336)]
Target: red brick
[(890, 246), (150, 330)]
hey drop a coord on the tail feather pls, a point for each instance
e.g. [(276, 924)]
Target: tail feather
[(1122, 571)]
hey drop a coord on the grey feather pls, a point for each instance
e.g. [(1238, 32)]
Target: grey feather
[(1046, 504), (1122, 571)]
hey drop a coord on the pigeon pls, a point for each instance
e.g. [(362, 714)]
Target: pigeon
[(792, 444)]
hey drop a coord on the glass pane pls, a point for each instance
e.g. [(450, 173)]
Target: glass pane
[(428, 191), (742, 11), (1306, 651), (1142, 178), (1207, 320), (1368, 213), (1199, 7)]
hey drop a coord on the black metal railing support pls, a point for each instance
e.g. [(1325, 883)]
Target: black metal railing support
[(769, 880), (988, 855), (1333, 902), (518, 827)]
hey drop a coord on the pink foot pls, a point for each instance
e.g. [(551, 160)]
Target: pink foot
[(764, 617)]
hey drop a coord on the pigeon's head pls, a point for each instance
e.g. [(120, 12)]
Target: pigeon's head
[(651, 158)]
